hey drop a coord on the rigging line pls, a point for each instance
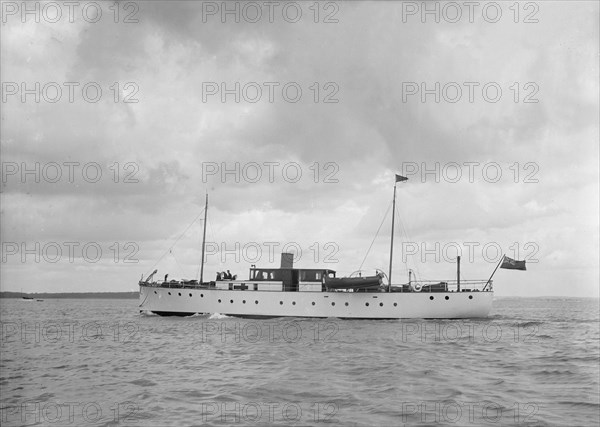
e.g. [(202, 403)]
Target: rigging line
[(376, 234), (177, 240), (403, 230), (181, 270)]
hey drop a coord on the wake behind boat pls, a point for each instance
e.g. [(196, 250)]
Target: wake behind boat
[(318, 293)]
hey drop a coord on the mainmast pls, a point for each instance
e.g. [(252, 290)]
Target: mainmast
[(392, 240), (203, 240), (399, 178)]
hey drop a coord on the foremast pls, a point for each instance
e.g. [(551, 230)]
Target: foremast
[(203, 240)]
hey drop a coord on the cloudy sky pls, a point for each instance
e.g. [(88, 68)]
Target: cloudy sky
[(117, 121)]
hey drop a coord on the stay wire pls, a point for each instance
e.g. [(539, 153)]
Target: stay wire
[(177, 240), (376, 234)]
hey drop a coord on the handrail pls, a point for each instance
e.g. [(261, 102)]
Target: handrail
[(450, 281), (449, 285), (180, 284)]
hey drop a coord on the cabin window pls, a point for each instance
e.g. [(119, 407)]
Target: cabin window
[(310, 276), (256, 286), (265, 275)]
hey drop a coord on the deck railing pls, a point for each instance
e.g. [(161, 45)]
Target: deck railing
[(216, 284), (446, 286), (414, 286)]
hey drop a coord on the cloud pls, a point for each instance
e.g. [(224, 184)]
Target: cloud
[(170, 135)]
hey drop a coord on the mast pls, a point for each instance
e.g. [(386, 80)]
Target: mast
[(399, 178), (392, 240), (458, 273), (203, 239)]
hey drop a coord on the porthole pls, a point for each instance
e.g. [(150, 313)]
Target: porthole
[(231, 301), (244, 302), (179, 293), (293, 302), (367, 304), (346, 304), (395, 304), (313, 303), (380, 304), (280, 302), (169, 293), (201, 295), (256, 302), (219, 301), (332, 303), (431, 298), (470, 296), (154, 291), (447, 297), (190, 295)]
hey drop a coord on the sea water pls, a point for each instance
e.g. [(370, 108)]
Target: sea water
[(81, 362)]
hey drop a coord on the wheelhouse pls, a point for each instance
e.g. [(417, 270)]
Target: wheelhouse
[(293, 279)]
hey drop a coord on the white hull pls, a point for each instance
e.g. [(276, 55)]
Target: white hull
[(357, 305)]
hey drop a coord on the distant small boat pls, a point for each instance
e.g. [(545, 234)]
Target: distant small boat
[(27, 298), (38, 300)]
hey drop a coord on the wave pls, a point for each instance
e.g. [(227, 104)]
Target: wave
[(147, 313), (591, 405), (530, 323), (219, 316)]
